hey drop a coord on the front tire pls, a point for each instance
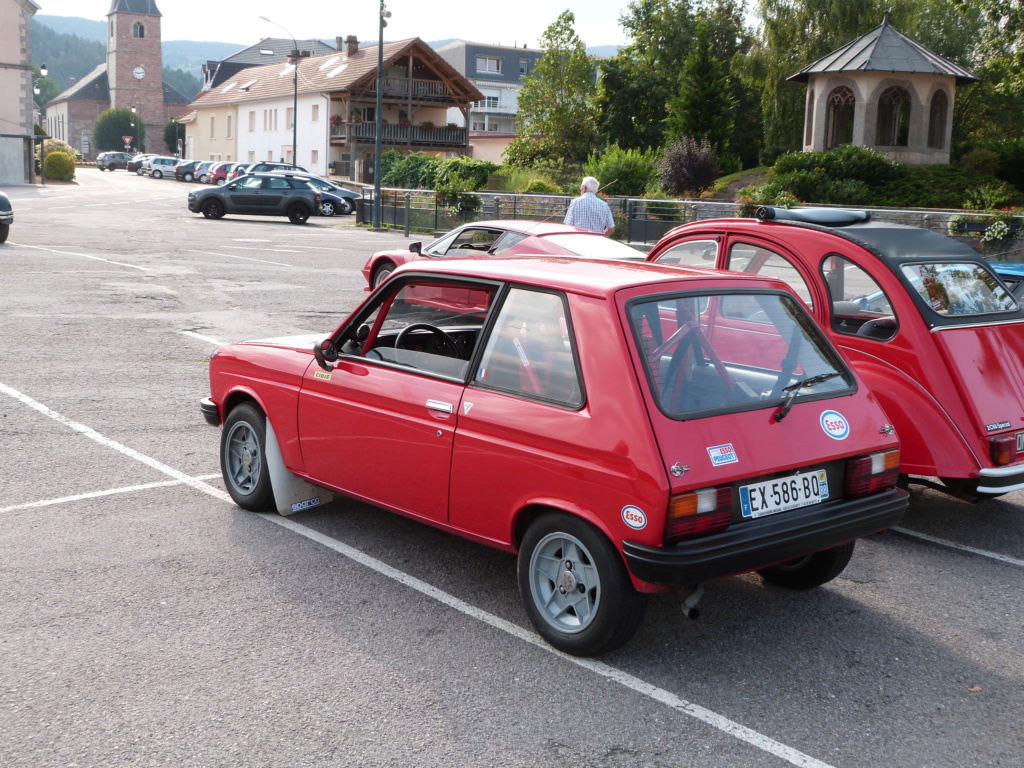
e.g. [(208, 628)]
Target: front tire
[(347, 206), (298, 214), (575, 587), (383, 273), (212, 209), (811, 570), (243, 462), (4, 230), (327, 208)]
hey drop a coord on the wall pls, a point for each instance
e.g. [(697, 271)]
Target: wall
[(16, 107)]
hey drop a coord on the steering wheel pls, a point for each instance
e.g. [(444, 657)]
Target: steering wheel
[(446, 340)]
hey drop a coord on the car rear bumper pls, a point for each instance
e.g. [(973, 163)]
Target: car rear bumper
[(210, 412), (1001, 479), (756, 544)]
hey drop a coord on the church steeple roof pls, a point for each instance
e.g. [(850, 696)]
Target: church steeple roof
[(143, 7)]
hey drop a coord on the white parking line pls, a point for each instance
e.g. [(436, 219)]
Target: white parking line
[(669, 699), (99, 494), (244, 258), (88, 256), (207, 339), (961, 547)]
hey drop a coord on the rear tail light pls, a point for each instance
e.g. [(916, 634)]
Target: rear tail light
[(698, 512), (1003, 449), (873, 472)]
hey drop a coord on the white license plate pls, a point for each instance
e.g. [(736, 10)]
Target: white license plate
[(783, 493)]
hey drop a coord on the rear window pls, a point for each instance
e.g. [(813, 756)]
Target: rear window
[(952, 289), (722, 352)]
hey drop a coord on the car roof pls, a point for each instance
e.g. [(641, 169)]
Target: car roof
[(892, 243), (590, 277)]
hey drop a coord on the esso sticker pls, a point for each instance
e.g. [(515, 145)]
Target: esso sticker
[(835, 425), (634, 517)]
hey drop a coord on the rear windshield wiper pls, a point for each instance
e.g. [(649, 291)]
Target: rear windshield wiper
[(794, 389)]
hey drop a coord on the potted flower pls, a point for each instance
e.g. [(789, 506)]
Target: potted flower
[(427, 125), (452, 125), (335, 121)]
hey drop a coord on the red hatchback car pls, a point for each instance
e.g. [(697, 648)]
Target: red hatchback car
[(505, 237), (626, 428), (920, 316)]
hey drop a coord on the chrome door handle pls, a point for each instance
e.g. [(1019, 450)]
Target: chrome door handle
[(437, 405)]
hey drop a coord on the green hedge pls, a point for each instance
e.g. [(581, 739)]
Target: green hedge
[(60, 166)]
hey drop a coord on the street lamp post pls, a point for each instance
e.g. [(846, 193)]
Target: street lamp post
[(384, 15), (294, 57), (136, 129), (43, 71)]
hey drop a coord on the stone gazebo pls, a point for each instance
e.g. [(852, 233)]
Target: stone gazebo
[(884, 91)]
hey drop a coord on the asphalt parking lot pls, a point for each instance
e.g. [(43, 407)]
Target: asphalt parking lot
[(147, 621)]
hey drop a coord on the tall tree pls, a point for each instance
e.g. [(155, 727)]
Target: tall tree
[(557, 115), (637, 83), (114, 124), (704, 105)]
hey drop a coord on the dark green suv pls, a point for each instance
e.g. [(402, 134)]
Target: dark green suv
[(259, 194)]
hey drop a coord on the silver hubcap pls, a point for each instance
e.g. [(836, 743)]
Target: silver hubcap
[(564, 583), (244, 459)]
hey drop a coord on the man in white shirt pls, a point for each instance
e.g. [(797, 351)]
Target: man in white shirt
[(589, 211)]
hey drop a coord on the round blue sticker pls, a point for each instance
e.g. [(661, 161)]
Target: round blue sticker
[(835, 425)]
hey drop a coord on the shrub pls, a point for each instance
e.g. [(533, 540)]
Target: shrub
[(60, 166), (688, 166), (752, 198), (458, 194), (981, 161), (768, 155), (624, 171), (933, 186), (991, 195), (1011, 158), (541, 187), (475, 172), (845, 162)]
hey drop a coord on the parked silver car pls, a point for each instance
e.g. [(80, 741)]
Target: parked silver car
[(158, 166)]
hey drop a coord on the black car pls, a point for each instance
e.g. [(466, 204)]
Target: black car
[(336, 199), (259, 194), (108, 161), (135, 164), (6, 216), (186, 170)]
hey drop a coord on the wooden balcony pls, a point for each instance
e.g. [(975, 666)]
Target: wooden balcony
[(418, 90), (406, 135)]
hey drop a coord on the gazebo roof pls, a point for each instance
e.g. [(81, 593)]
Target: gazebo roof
[(885, 49)]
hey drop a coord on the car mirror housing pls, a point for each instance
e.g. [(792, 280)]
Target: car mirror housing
[(325, 353), (415, 247)]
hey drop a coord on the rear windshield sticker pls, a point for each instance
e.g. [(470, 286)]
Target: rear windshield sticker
[(723, 454), (634, 517), (835, 425)]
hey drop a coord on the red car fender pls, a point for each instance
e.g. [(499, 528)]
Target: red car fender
[(923, 427)]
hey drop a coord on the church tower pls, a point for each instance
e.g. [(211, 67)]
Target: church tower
[(135, 62)]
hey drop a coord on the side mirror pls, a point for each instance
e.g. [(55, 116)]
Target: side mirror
[(232, 187), (415, 248), (325, 353)]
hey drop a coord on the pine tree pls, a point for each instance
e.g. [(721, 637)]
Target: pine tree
[(704, 104)]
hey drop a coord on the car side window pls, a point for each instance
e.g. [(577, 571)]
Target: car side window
[(250, 182), (473, 240), (758, 260), (859, 306), (276, 184), (692, 253), (530, 351), (506, 241), (429, 326)]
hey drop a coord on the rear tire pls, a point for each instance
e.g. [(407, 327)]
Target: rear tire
[(575, 587), (243, 462), (189, 177), (298, 213), (157, 174), (111, 167), (811, 570), (4, 230)]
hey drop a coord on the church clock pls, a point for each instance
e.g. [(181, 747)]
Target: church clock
[(139, 73)]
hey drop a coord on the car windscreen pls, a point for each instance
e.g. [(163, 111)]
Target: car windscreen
[(958, 289), (720, 352), (595, 246)]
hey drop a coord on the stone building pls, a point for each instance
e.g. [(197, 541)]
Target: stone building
[(886, 91), (131, 77), (16, 107)]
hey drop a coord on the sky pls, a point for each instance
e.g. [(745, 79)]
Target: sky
[(517, 22)]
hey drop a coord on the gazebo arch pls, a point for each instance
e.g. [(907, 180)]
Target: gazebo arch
[(938, 111), (892, 123), (840, 113)]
